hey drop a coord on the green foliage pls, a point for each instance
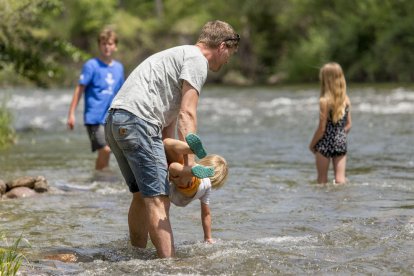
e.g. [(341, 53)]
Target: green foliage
[(11, 256), (7, 134), (306, 57), (86, 18), (46, 40), (27, 42), (370, 38)]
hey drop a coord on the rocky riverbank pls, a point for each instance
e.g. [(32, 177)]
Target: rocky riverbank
[(26, 186)]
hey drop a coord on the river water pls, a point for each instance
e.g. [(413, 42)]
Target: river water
[(269, 218)]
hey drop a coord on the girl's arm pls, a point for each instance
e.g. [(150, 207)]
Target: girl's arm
[(323, 118), (348, 119), (206, 221)]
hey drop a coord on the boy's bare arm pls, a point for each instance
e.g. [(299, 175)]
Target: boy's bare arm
[(75, 100)]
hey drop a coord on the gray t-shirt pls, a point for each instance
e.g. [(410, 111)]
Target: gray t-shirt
[(153, 90)]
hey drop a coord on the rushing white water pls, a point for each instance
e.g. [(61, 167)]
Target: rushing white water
[(269, 218)]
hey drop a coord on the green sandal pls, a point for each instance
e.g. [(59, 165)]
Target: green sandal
[(195, 144), (202, 171)]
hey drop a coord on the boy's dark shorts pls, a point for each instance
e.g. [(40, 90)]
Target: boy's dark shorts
[(96, 136)]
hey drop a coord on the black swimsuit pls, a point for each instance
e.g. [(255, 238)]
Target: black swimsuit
[(333, 142)]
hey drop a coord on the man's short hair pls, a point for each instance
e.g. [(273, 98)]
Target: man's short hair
[(215, 32)]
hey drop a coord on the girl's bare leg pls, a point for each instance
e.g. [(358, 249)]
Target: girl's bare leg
[(180, 175), (322, 167), (179, 170), (175, 149), (339, 164)]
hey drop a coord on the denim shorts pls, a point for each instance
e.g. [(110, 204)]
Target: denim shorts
[(138, 148)]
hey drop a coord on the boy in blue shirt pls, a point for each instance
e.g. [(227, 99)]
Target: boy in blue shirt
[(100, 80)]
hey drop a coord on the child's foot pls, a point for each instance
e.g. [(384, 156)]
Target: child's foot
[(195, 145), (202, 171)]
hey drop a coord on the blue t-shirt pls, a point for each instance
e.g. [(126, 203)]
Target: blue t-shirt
[(102, 82)]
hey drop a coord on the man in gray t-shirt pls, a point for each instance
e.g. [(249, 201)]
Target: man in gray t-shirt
[(158, 100)]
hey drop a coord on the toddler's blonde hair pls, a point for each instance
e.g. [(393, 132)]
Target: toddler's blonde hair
[(220, 169), (333, 89)]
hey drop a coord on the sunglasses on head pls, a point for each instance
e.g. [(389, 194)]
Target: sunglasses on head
[(236, 38)]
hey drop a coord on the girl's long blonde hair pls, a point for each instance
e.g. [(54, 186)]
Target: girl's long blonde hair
[(220, 169), (333, 89)]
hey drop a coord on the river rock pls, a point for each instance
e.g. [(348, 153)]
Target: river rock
[(3, 187), (41, 185), (20, 192), (25, 181), (25, 186)]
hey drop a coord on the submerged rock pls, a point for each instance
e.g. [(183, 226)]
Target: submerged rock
[(65, 257), (20, 192)]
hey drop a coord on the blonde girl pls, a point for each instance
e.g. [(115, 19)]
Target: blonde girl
[(330, 139), (190, 183)]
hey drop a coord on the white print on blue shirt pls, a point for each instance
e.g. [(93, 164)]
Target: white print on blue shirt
[(109, 81)]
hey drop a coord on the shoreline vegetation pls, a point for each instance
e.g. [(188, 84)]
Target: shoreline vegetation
[(11, 256), (7, 132)]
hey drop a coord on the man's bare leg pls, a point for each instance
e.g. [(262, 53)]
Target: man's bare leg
[(159, 226), (137, 221)]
